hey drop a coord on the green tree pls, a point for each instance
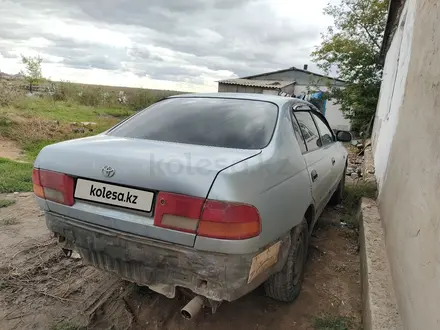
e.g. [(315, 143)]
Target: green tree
[(352, 46), (32, 73)]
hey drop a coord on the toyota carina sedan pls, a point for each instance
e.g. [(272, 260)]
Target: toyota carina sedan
[(213, 193)]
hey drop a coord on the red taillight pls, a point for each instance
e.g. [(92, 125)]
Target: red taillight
[(229, 221), (209, 218), (178, 212), (38, 189), (54, 186)]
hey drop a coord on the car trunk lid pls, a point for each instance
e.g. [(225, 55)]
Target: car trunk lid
[(144, 167)]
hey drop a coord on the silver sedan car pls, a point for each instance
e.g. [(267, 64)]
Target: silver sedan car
[(214, 193)]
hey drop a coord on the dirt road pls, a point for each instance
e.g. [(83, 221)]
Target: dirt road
[(9, 149), (40, 288)]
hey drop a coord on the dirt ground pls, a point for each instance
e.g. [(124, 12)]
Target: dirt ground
[(40, 288), (9, 149)]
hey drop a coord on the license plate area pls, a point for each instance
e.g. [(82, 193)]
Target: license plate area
[(114, 195)]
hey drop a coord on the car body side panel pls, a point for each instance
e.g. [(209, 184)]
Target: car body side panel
[(276, 182), (319, 162), (334, 171), (339, 153), (42, 203)]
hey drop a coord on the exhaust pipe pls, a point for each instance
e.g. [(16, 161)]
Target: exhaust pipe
[(192, 308)]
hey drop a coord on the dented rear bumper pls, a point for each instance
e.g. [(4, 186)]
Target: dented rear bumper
[(164, 266)]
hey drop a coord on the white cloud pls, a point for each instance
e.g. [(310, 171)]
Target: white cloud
[(167, 44)]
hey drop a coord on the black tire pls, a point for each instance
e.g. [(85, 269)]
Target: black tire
[(286, 285), (338, 195)]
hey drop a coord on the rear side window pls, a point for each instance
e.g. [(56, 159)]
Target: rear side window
[(298, 135), (228, 123), (308, 130), (326, 134)]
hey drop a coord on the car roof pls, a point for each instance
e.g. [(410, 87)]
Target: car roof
[(279, 100)]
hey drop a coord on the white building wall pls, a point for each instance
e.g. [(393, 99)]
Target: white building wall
[(270, 91), (301, 77), (335, 117), (410, 190), (333, 111), (392, 90)]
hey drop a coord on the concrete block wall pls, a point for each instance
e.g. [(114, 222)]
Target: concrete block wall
[(408, 169)]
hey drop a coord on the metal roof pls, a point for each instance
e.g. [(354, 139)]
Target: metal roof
[(271, 84), (294, 69)]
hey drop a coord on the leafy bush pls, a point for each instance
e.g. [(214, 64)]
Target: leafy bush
[(91, 96), (65, 91), (142, 99), (8, 95), (5, 126), (5, 98), (4, 121), (139, 101), (96, 96)]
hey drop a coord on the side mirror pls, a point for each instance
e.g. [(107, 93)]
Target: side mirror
[(343, 136)]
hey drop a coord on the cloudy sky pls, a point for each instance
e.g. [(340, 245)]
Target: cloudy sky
[(165, 44)]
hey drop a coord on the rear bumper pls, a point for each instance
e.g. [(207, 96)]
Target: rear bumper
[(163, 266)]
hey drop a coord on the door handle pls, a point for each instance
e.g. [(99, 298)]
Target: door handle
[(333, 161), (314, 175)]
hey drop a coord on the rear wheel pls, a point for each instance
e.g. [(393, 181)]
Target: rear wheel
[(338, 195), (286, 284)]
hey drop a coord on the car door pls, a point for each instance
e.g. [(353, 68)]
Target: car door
[(316, 157), (332, 148)]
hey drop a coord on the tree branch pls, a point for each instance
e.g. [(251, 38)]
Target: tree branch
[(364, 27)]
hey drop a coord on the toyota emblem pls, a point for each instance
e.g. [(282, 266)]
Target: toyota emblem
[(108, 171)]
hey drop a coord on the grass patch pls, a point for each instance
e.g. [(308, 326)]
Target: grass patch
[(9, 221), (354, 193), (351, 219), (352, 197), (117, 113), (32, 134), (37, 122), (6, 202), (32, 148), (66, 111), (330, 322), (4, 121), (15, 176), (33, 145)]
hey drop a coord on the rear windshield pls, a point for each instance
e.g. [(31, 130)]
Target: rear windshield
[(228, 123)]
